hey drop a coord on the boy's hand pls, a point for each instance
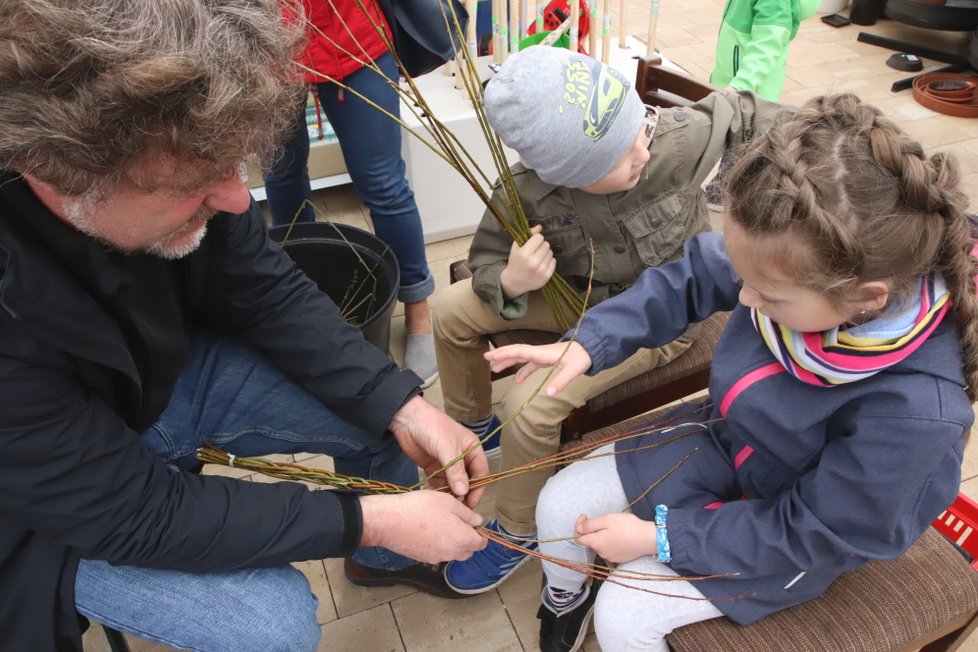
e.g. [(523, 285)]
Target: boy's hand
[(529, 267), (616, 537)]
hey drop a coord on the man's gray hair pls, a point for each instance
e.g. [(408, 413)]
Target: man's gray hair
[(88, 88)]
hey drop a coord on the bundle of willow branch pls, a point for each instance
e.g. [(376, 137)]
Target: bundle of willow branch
[(565, 303), (297, 472)]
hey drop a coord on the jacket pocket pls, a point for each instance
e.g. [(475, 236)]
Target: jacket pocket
[(658, 228), (570, 249)]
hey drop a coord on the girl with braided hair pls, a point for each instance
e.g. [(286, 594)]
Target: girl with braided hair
[(839, 400)]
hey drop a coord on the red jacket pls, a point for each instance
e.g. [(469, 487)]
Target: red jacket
[(338, 58)]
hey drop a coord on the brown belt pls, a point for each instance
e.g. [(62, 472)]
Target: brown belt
[(948, 93)]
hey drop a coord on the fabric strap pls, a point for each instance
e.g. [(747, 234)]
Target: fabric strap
[(837, 356)]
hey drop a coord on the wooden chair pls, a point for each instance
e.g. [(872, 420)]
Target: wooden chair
[(658, 85), (925, 600)]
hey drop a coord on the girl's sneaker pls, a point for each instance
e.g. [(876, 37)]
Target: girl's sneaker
[(489, 567), (566, 632)]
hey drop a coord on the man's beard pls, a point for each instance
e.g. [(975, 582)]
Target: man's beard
[(169, 250), (79, 211)]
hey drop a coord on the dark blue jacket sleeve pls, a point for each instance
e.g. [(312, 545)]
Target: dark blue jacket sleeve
[(662, 304), (74, 474)]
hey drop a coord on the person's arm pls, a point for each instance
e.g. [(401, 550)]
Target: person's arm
[(489, 255), (718, 122), (879, 483), (770, 35), (664, 301), (433, 440), (74, 473), (269, 304)]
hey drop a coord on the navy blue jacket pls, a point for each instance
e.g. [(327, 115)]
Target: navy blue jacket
[(87, 362), (792, 484)]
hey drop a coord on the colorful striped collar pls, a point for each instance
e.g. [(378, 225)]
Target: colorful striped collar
[(838, 356)]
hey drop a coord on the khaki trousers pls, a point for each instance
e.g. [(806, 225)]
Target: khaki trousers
[(462, 324)]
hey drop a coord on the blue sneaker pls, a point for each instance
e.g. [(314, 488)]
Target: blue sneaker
[(487, 568), (491, 445)]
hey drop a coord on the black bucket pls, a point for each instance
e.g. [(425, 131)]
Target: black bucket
[(354, 267)]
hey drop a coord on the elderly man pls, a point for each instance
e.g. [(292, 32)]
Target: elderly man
[(143, 311)]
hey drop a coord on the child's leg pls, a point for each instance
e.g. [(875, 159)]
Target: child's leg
[(627, 619), (535, 432), (462, 322), (590, 486)]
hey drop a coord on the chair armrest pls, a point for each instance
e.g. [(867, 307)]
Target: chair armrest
[(659, 86)]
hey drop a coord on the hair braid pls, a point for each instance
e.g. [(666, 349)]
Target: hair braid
[(957, 262), (868, 204)]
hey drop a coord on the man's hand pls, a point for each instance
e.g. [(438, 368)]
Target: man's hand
[(432, 439), (529, 267), (617, 537), (428, 526), (573, 363)]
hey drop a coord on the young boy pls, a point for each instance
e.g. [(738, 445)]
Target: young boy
[(598, 169)]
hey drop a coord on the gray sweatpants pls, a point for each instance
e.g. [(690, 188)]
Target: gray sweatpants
[(624, 618)]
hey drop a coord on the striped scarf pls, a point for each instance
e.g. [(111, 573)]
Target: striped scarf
[(837, 356)]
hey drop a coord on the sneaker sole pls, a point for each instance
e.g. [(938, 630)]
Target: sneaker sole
[(431, 381), (505, 577)]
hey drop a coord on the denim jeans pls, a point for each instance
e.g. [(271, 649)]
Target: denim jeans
[(230, 396), (371, 146)]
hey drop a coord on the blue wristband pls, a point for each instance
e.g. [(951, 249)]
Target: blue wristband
[(661, 535)]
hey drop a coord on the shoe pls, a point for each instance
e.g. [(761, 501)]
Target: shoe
[(429, 578), (565, 633), (487, 568), (419, 357), (491, 445)]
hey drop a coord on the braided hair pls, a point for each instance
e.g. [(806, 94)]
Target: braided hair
[(866, 204)]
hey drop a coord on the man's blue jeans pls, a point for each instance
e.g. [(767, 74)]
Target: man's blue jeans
[(371, 146), (230, 396)]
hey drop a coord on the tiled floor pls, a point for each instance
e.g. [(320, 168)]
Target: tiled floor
[(823, 59)]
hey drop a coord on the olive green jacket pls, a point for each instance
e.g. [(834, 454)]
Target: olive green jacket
[(631, 230)]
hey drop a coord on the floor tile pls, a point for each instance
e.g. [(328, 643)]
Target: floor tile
[(480, 622), (373, 630)]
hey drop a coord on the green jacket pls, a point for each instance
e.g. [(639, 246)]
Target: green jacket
[(631, 230), (752, 46)]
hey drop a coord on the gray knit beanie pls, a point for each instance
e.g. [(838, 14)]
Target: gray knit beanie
[(569, 117)]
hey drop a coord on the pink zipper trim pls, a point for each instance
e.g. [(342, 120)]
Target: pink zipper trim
[(742, 456), (745, 382)]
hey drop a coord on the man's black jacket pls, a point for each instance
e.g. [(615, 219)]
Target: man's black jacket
[(90, 343)]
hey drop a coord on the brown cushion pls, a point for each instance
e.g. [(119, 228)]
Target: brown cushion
[(884, 606)]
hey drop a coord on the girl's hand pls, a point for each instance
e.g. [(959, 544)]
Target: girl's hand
[(573, 363), (529, 267), (616, 537)]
